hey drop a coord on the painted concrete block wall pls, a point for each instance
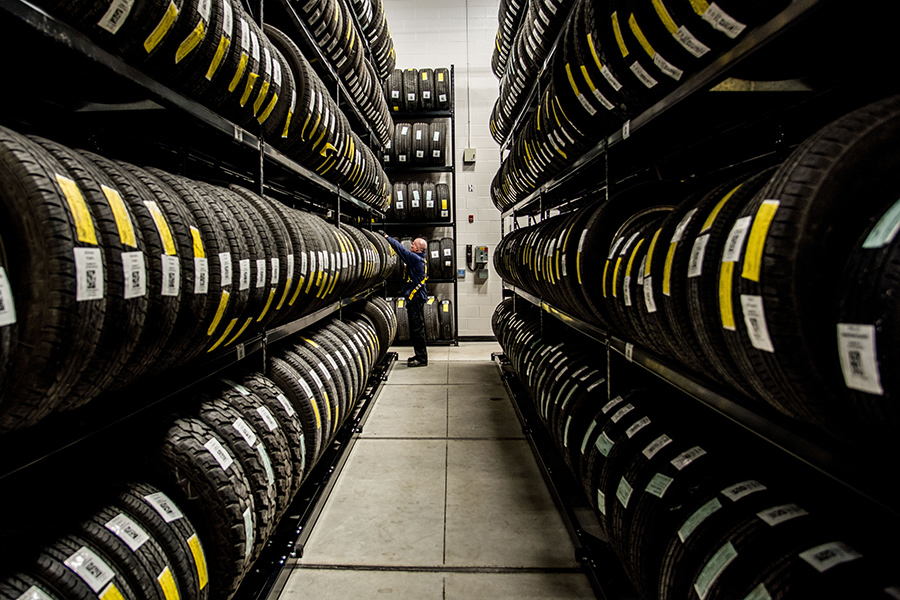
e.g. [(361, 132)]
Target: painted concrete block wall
[(432, 34)]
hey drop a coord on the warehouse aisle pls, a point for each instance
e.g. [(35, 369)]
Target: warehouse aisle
[(441, 498)]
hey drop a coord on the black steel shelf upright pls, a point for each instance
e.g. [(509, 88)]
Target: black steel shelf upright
[(437, 169), (667, 134)]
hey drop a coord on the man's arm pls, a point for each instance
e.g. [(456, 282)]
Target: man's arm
[(405, 254)]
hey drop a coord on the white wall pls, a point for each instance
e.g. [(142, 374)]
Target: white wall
[(431, 34)]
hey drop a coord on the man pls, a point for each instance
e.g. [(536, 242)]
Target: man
[(415, 295)]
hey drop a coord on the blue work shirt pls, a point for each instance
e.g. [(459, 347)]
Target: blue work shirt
[(416, 268)]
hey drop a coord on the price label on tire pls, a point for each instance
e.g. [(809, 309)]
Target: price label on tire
[(7, 307)]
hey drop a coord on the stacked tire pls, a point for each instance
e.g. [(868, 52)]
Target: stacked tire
[(684, 513), (113, 272), (509, 17), (342, 43), (214, 52), (374, 26), (417, 145), (225, 468), (438, 316), (766, 281), (419, 201), (613, 61), (418, 90)]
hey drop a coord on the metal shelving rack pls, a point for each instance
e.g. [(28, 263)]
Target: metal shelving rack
[(853, 474), (251, 159), (63, 37), (451, 168)]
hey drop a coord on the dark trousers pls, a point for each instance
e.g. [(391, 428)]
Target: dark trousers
[(415, 309)]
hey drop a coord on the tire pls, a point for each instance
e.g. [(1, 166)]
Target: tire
[(410, 96), (218, 501), (416, 211), (420, 144), (429, 195), (288, 381), (90, 560), (426, 89), (443, 101), (402, 320), (448, 324), (126, 301), (442, 191), (402, 144), (437, 144), (158, 514), (793, 247), (448, 262), (55, 333)]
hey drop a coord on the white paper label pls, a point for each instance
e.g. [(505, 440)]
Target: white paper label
[(755, 320), (267, 418), (629, 352), (203, 9), (858, 352), (722, 21), (649, 300), (171, 275), (716, 565), (395, 93), (254, 46), (686, 458), (604, 444), (611, 404), (679, 230), (306, 389), (225, 268), (658, 485), (88, 274), (245, 37), (276, 266), (244, 283), (829, 555), (623, 492), (696, 519), (601, 501), (621, 413), (640, 424), (90, 568), (689, 42), (442, 97), (219, 452), (248, 532), (410, 97), (128, 531), (656, 445), (7, 306), (288, 407), (735, 242), (290, 266), (33, 593), (228, 20), (607, 74), (167, 509), (759, 593), (404, 130), (587, 436), (667, 67), (115, 15), (267, 464), (260, 272), (779, 514), (698, 251), (742, 490), (201, 275), (435, 254), (246, 432), (642, 74), (626, 287)]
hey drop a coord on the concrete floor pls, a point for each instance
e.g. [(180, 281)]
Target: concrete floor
[(440, 498)]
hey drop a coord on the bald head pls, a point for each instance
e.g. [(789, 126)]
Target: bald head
[(419, 245)]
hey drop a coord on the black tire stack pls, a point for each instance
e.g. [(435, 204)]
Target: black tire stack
[(438, 314), (433, 201), (342, 43), (112, 272), (418, 145), (418, 90), (510, 17), (374, 25), (214, 52), (226, 467), (767, 281), (614, 60), (684, 513)]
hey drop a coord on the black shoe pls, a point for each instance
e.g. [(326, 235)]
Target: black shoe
[(415, 362)]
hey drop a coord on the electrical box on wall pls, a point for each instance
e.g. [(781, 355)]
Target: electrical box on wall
[(469, 155), (476, 261)]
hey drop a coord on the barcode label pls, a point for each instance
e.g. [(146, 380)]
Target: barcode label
[(88, 274), (735, 242), (779, 514), (686, 458), (623, 492), (246, 432), (656, 445), (115, 15), (689, 42), (829, 555), (722, 21), (7, 306), (244, 283), (171, 275), (649, 300), (90, 568), (857, 348), (755, 320), (698, 251), (201, 275), (128, 531), (642, 74), (167, 509), (742, 490), (225, 268), (218, 452), (631, 431)]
